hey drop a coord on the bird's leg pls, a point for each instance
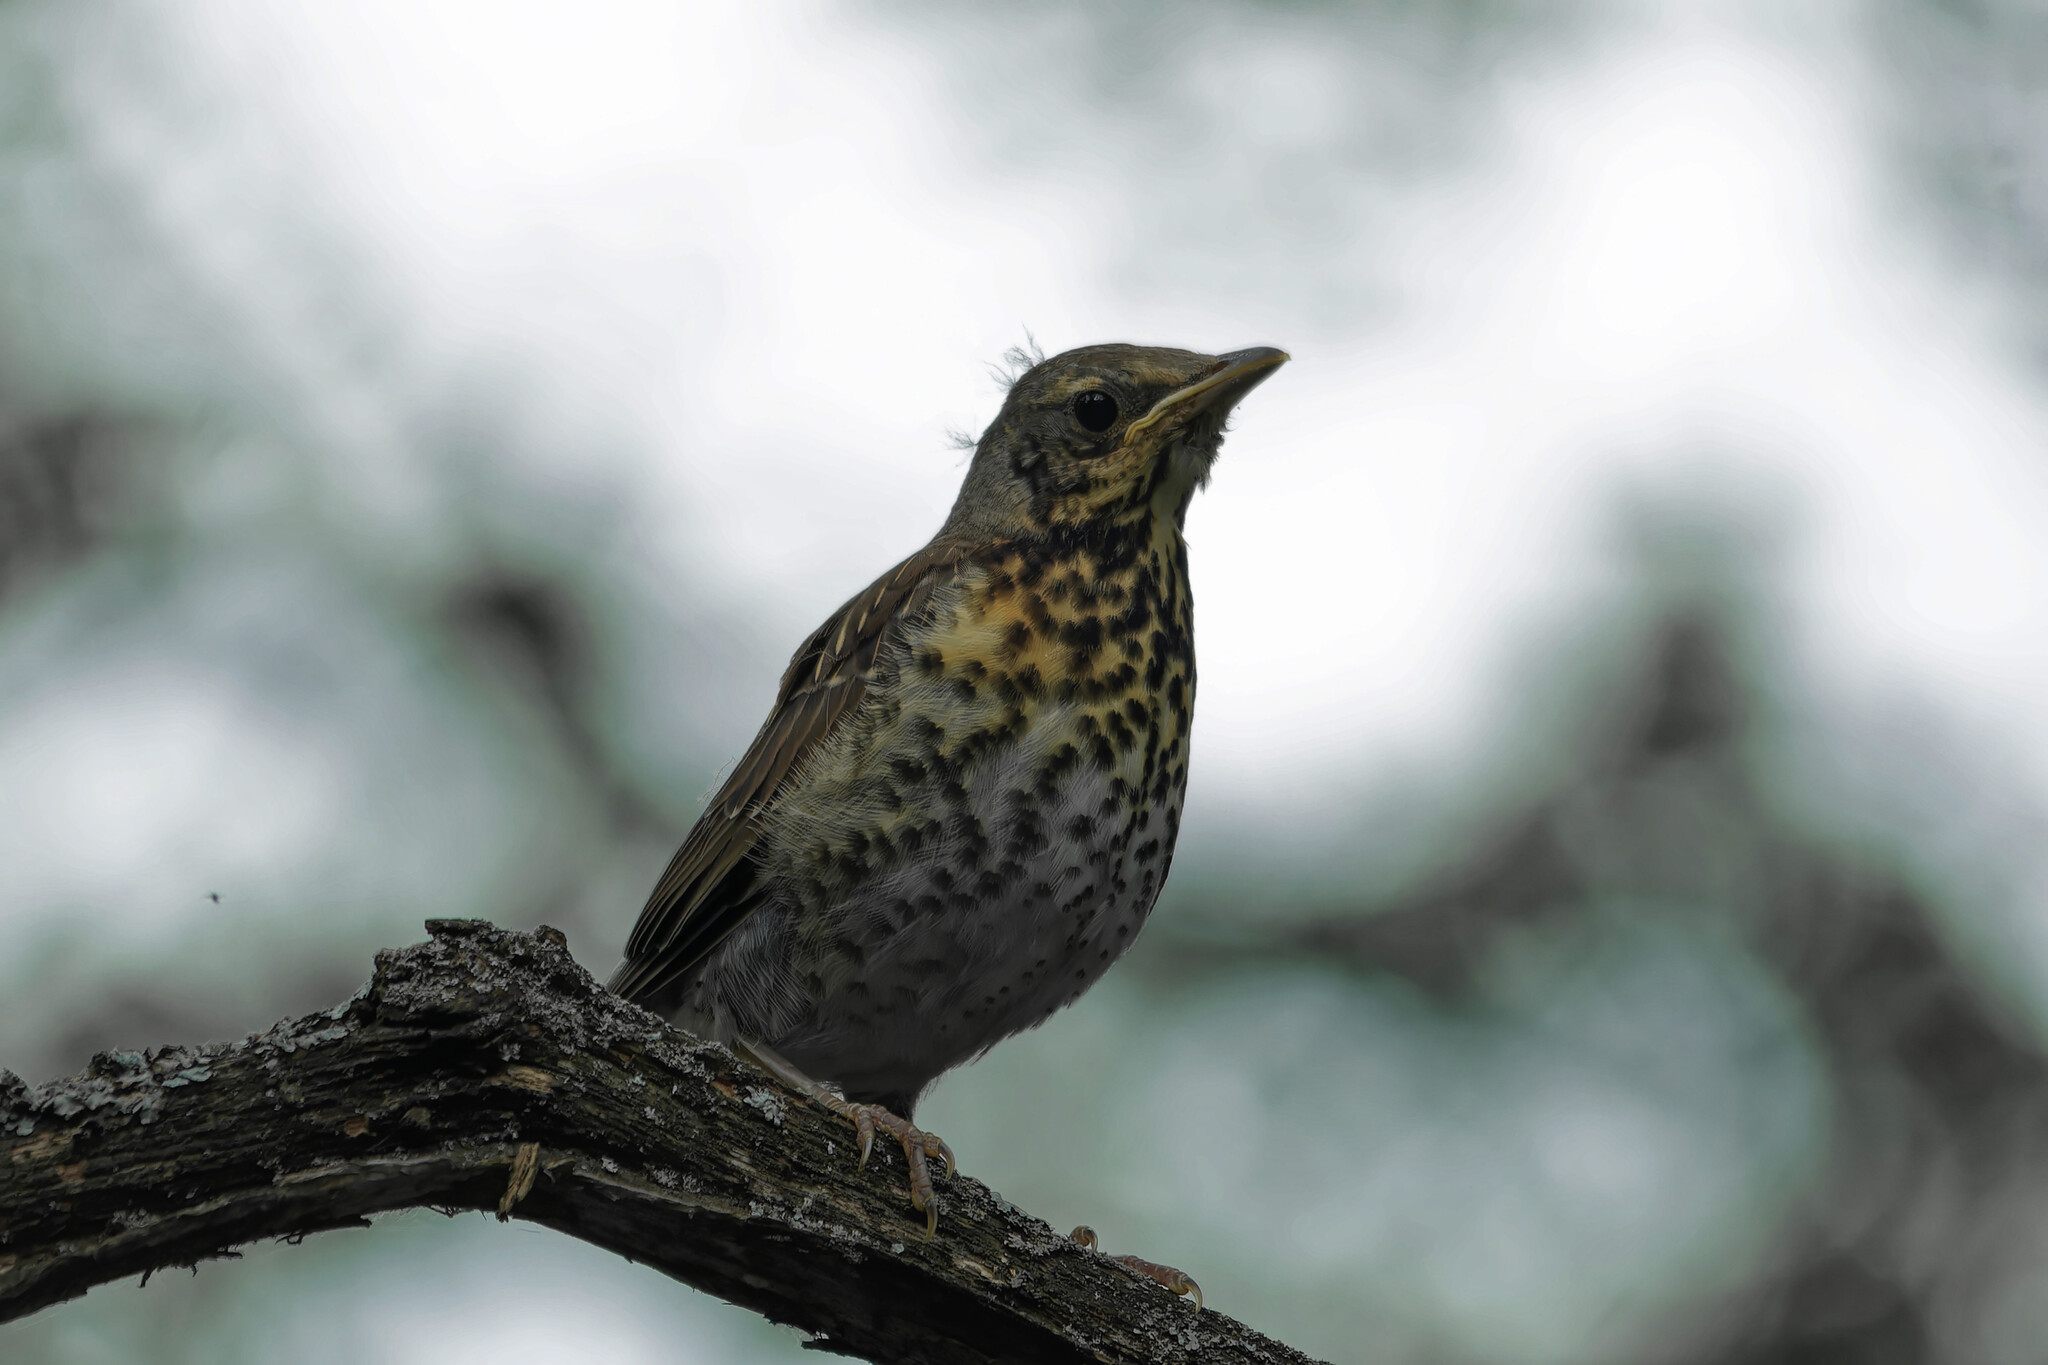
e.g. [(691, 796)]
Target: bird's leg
[(918, 1146), (1163, 1275)]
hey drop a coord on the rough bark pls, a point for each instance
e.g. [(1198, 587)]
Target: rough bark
[(485, 1069)]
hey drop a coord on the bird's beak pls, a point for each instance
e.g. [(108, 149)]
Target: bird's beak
[(1231, 378)]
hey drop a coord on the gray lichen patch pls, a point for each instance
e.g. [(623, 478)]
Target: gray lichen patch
[(772, 1105), (502, 979), (1033, 1238), (136, 1093)]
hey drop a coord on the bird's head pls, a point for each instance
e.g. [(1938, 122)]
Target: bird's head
[(1101, 434)]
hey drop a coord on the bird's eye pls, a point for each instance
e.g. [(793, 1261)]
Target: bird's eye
[(1095, 410)]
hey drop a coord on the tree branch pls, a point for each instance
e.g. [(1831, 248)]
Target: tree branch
[(485, 1069)]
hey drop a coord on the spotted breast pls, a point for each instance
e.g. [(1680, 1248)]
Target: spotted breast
[(978, 844)]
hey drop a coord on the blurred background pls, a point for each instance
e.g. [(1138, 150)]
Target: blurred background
[(1611, 918)]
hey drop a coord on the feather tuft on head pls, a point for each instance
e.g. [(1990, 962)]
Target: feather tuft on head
[(1018, 361)]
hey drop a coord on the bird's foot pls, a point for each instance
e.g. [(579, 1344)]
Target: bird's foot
[(919, 1148), (1164, 1276)]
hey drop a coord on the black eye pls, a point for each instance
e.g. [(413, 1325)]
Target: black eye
[(1095, 410)]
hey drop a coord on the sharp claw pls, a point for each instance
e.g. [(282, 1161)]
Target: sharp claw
[(864, 1125), (920, 1177), (1085, 1236), (936, 1146), (1183, 1285)]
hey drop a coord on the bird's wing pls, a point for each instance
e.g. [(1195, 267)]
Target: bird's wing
[(713, 882)]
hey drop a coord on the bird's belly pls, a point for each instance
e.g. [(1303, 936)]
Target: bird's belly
[(1046, 865)]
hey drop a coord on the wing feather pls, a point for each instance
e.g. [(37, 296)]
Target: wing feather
[(712, 884)]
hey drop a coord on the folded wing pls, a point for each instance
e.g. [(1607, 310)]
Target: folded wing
[(714, 882)]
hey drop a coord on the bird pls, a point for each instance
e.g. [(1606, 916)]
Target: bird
[(964, 801)]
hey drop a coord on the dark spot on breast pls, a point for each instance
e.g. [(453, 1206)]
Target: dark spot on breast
[(1082, 635), (1155, 667), (1032, 563), (970, 842), (1027, 837), (1136, 616)]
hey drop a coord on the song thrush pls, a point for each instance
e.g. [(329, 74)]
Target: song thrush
[(964, 802)]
